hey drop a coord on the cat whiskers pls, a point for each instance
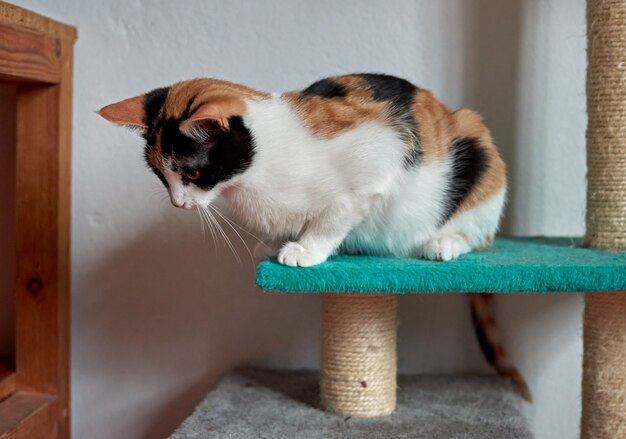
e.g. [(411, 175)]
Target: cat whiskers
[(163, 196), (243, 229), (232, 225), (202, 226), (212, 222), (205, 218)]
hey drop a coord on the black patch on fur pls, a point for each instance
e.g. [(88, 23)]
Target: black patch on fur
[(228, 152), (188, 108), (398, 91), (483, 341), (413, 157), (152, 104), (469, 163), (325, 88), (400, 94)]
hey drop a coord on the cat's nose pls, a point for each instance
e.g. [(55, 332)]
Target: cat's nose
[(182, 204), (178, 202)]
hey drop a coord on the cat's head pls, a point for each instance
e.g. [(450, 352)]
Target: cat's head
[(196, 140)]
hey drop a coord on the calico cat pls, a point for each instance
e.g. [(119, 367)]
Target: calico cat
[(362, 163)]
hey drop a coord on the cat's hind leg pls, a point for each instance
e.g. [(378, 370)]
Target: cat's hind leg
[(472, 229), (445, 247)]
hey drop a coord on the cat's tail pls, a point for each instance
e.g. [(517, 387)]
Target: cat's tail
[(490, 342)]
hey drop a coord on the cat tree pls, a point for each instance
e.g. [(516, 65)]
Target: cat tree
[(358, 367), (358, 347)]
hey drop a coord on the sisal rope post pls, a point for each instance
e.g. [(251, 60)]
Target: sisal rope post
[(604, 375), (604, 369), (358, 371)]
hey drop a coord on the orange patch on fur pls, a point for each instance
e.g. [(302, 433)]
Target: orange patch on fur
[(438, 128), (225, 98), (329, 117), (155, 158), (127, 112), (435, 125)]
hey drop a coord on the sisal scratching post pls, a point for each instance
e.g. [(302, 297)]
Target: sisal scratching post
[(604, 370), (604, 377), (358, 371)]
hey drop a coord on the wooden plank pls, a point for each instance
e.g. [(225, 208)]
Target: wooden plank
[(37, 323), (28, 416), (7, 218), (40, 62), (24, 18), (28, 56), (64, 158), (7, 376), (42, 238), (7, 382)]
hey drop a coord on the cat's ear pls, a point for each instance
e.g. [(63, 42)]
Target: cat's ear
[(129, 112), (205, 124)]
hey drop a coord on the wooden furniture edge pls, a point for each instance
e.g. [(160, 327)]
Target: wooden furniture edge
[(34, 391), (25, 415), (7, 382), (23, 18), (42, 239), (27, 56)]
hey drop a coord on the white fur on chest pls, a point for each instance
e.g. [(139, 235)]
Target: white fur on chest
[(295, 175)]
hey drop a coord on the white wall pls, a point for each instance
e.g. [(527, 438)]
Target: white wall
[(158, 314)]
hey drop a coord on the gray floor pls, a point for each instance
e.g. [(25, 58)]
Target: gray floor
[(262, 404)]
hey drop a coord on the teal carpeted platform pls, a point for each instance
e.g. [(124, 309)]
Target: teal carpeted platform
[(512, 265)]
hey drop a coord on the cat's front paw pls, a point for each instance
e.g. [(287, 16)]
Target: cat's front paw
[(294, 255), (445, 248)]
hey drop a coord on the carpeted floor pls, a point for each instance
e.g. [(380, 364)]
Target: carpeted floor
[(274, 405)]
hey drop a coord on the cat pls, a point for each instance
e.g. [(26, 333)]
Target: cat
[(360, 163)]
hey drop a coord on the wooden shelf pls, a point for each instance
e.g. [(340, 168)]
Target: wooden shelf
[(7, 382), (28, 415), (25, 19), (7, 376), (36, 55)]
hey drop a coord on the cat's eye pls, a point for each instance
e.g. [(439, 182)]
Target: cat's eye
[(191, 174)]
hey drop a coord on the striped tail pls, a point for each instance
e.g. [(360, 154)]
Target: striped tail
[(491, 344)]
